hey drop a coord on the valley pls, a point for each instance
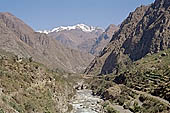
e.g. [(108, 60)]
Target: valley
[(85, 69)]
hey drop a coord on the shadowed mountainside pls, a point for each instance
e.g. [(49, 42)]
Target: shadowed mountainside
[(103, 39)]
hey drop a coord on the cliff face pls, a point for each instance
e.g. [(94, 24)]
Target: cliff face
[(146, 30), (103, 39), (19, 38), (152, 33)]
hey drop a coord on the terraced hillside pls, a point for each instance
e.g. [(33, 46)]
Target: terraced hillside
[(142, 87)]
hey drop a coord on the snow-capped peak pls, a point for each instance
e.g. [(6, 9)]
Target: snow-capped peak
[(82, 27)]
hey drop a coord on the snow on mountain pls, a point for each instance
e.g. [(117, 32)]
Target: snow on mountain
[(82, 27)]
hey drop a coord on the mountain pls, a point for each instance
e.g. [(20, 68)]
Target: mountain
[(103, 39), (22, 40), (82, 27), (144, 31), (81, 37), (134, 67)]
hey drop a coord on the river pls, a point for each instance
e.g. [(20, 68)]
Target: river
[(85, 102)]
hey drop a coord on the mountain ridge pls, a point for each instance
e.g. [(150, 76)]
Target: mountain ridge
[(82, 27), (80, 37), (146, 30), (22, 40)]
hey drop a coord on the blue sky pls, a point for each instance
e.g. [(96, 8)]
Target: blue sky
[(46, 14)]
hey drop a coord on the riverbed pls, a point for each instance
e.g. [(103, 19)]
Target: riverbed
[(85, 102)]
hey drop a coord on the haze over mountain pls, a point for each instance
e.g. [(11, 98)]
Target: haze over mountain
[(19, 38)]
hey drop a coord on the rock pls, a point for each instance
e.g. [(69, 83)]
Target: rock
[(1, 90), (138, 88), (1, 58), (18, 58), (98, 102), (78, 87), (85, 86), (31, 59), (159, 61), (149, 54), (163, 54)]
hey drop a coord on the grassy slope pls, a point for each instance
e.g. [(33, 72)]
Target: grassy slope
[(30, 87)]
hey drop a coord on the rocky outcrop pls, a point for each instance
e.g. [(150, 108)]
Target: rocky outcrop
[(146, 30), (19, 38)]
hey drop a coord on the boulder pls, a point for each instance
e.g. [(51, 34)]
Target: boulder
[(164, 54)]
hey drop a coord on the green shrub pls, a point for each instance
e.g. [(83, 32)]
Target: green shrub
[(16, 107), (29, 106), (126, 105), (1, 111), (121, 100), (105, 104), (137, 108), (142, 98), (111, 110), (70, 108)]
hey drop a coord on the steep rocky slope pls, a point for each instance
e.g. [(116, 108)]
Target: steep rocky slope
[(103, 39), (29, 87), (81, 37), (19, 38), (146, 30), (117, 40)]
